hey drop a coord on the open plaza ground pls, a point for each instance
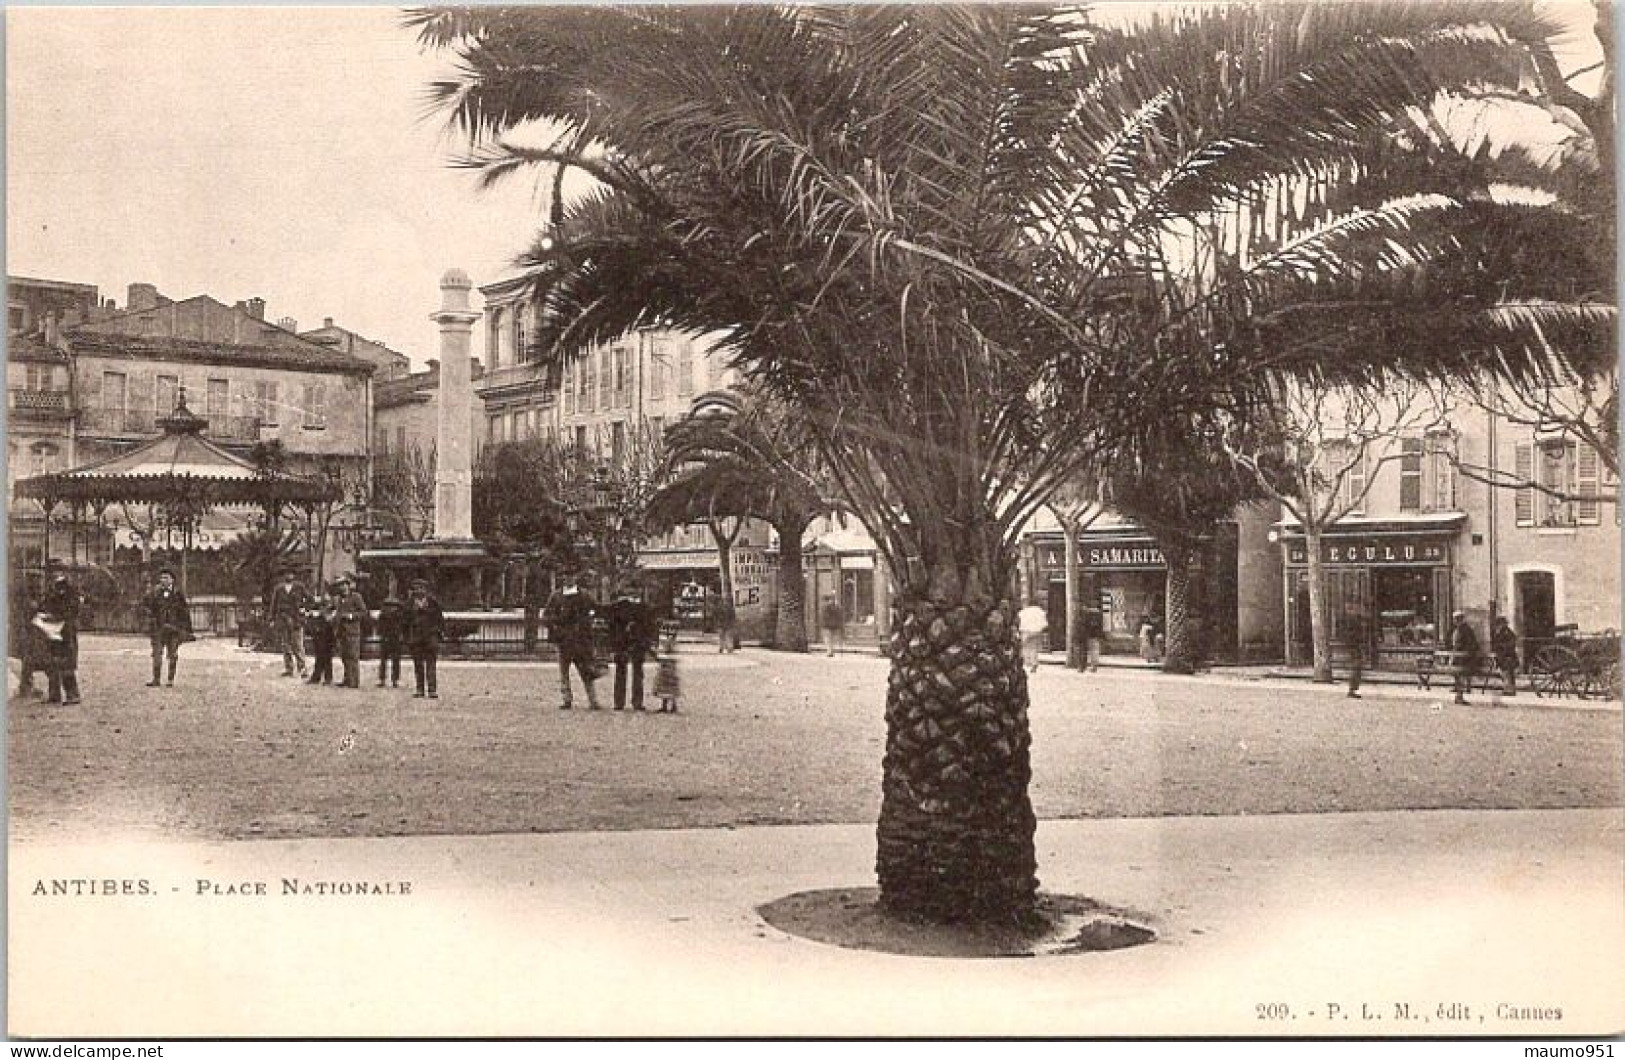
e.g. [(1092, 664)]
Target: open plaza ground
[(236, 751), (1312, 865)]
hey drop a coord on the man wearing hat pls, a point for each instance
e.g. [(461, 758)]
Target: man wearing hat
[(569, 616), (349, 615), (169, 624), (286, 614), (57, 623), (424, 624), (632, 635), (1464, 652)]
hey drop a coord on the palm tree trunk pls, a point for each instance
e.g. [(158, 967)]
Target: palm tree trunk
[(791, 634), (956, 824), (1319, 635), (1180, 657)]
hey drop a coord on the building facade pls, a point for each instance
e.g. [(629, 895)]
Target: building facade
[(615, 403), (1481, 515)]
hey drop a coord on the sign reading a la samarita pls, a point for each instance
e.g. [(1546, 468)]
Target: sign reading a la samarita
[(1123, 555), (1374, 551)]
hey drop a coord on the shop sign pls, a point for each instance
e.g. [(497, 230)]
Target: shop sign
[(1373, 551), (1127, 555)]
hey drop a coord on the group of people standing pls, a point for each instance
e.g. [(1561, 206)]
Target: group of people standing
[(631, 634), (45, 640), (337, 620)]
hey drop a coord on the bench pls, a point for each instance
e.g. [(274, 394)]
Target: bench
[(1443, 665)]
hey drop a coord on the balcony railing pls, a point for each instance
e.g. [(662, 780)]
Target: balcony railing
[(39, 403), (128, 423)]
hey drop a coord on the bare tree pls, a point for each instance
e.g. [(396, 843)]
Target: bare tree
[(1319, 452), (404, 487)]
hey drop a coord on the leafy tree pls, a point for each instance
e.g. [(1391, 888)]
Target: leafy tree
[(970, 244)]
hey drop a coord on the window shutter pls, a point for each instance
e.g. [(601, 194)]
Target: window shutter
[(1523, 470), (1588, 482)]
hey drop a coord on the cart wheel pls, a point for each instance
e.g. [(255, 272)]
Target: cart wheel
[(1555, 671)]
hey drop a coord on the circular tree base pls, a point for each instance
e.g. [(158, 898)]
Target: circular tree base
[(852, 918)]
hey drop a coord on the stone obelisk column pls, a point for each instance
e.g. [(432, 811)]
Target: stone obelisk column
[(453, 467)]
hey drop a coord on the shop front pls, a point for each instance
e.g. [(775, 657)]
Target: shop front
[(1123, 574), (1397, 579)]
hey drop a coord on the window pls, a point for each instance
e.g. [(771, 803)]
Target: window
[(623, 382), (41, 377), (46, 457), (217, 399), (315, 405), (1587, 482), (606, 378), (380, 441), (516, 337), (685, 370), (618, 443), (657, 429), (1441, 479), (115, 389), (265, 403), (16, 319), (1523, 469), (659, 368), (163, 394), (400, 440), (581, 439), (589, 383), (567, 390), (493, 429), (1348, 460), (1410, 474)]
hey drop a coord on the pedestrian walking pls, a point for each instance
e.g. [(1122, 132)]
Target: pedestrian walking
[(349, 620), (391, 632), (632, 635), (319, 624), (423, 625), (57, 624), (169, 624), (1354, 631), (1504, 646), (569, 615), (286, 616), (1464, 654), (1093, 630), (832, 623), (1034, 626)]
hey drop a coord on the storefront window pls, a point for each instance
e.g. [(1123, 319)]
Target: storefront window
[(1407, 616)]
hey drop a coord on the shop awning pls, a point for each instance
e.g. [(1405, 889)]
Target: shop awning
[(685, 559)]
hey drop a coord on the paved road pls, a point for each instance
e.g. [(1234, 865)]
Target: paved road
[(235, 751)]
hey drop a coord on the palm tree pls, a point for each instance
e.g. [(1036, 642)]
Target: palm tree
[(1174, 479), (970, 244), (747, 459)]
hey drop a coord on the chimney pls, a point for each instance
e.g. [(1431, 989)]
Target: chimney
[(53, 330), (256, 308), (327, 322), (288, 324), (142, 296)]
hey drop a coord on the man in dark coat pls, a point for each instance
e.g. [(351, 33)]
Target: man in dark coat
[(59, 613), (423, 625), (319, 624), (1504, 646), (169, 624), (27, 644), (1354, 631), (632, 635), (569, 617), (1464, 653), (349, 616), (391, 635), (286, 616)]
